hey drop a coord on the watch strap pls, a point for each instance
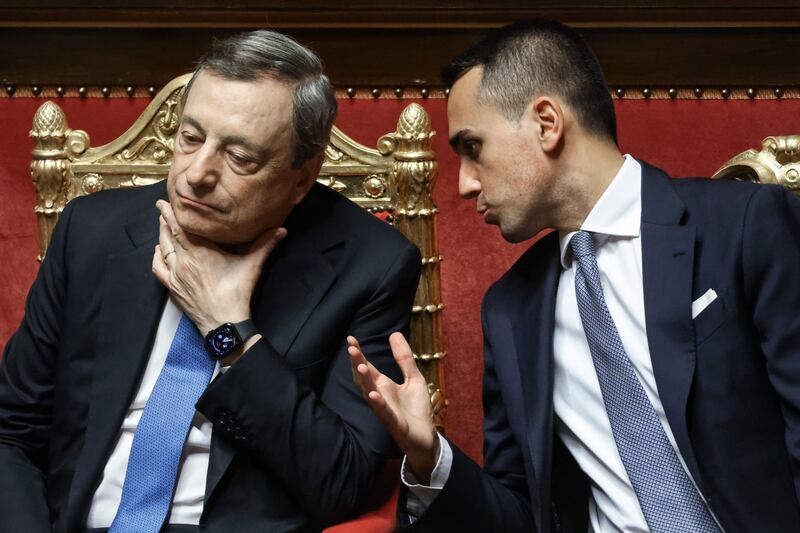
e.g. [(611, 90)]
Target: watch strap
[(245, 329)]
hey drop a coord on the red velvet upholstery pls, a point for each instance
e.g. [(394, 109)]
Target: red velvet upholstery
[(684, 137)]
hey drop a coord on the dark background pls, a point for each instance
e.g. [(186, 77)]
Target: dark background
[(381, 42)]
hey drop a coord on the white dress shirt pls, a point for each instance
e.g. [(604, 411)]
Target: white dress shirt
[(190, 488), (581, 419)]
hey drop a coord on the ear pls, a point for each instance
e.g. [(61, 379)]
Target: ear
[(309, 172), (549, 115)]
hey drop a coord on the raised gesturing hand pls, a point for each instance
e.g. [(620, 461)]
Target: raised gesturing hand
[(405, 409)]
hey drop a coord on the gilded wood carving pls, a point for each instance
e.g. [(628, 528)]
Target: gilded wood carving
[(777, 162)]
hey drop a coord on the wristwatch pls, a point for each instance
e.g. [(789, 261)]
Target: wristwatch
[(227, 338)]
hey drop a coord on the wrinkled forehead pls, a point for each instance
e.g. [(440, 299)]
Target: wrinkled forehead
[(259, 110)]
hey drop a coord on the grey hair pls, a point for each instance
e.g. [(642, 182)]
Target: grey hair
[(253, 55)]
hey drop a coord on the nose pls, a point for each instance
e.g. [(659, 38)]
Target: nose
[(469, 184), (204, 169)]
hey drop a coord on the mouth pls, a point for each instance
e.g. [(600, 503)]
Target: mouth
[(195, 204), (486, 213)]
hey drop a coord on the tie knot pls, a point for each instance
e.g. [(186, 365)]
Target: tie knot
[(582, 244)]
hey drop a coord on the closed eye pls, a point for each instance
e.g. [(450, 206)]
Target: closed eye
[(242, 163), (190, 140)]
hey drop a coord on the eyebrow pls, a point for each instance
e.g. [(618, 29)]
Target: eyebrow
[(458, 139), (230, 139)]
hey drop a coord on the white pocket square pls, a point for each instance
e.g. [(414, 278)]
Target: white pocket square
[(703, 302)]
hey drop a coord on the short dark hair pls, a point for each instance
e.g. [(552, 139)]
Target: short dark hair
[(536, 57), (251, 56)]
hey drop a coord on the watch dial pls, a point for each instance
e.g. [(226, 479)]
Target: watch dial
[(224, 341)]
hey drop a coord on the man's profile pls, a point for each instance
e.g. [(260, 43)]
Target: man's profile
[(642, 361), (182, 359)]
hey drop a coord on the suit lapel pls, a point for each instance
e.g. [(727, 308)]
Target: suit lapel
[(668, 267), (298, 273), (132, 300), (293, 284), (289, 291), (533, 333), (295, 278)]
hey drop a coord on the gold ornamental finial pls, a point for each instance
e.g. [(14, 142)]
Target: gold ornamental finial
[(49, 122), (413, 121)]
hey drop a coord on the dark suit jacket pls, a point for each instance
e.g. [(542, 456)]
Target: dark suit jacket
[(729, 380), (294, 446)]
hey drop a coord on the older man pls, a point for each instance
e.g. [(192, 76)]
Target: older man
[(642, 363), (182, 359)]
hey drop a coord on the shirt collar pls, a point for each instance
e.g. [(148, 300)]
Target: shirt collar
[(618, 212)]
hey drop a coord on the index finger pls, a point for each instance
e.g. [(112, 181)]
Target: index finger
[(179, 237), (365, 375), (357, 357)]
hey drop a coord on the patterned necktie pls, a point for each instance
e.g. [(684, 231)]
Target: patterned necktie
[(161, 434), (668, 498)]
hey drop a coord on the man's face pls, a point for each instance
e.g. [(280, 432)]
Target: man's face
[(502, 164), (231, 177)]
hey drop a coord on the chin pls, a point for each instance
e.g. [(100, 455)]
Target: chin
[(513, 238), (197, 226), (515, 235)]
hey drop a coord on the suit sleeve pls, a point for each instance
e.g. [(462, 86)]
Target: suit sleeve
[(326, 447), (27, 374), (494, 498), (771, 265)]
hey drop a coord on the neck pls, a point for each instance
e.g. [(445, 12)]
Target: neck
[(236, 249), (590, 166)]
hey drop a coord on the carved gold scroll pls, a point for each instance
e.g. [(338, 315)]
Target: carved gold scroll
[(396, 179), (777, 162)]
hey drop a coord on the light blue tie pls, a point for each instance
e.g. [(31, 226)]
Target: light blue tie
[(668, 498), (161, 434)]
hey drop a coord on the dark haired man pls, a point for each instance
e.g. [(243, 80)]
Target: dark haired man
[(257, 277), (642, 363)]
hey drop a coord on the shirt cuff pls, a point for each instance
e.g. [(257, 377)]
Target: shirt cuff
[(420, 497)]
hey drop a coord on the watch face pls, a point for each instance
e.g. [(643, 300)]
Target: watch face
[(222, 341)]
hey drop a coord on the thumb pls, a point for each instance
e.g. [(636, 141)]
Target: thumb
[(266, 243), (403, 356)]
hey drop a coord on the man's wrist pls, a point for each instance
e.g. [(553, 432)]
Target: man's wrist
[(423, 462), (229, 340), (210, 323)]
